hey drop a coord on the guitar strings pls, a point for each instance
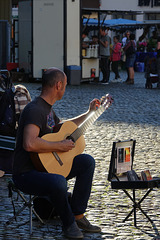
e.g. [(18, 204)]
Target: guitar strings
[(87, 123)]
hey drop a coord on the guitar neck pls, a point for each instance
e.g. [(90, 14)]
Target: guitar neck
[(87, 123)]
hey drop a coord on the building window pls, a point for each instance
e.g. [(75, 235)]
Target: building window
[(125, 16), (90, 4), (152, 3), (153, 16), (156, 2)]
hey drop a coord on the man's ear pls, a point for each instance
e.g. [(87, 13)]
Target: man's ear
[(58, 85)]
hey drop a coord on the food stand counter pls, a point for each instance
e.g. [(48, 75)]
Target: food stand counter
[(90, 62), (141, 56)]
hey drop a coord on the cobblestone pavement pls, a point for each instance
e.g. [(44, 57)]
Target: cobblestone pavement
[(135, 114)]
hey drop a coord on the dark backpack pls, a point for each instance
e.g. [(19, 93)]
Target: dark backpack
[(7, 113), (131, 50)]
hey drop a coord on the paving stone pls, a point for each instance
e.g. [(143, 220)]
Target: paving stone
[(135, 114)]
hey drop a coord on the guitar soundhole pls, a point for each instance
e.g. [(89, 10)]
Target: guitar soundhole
[(70, 138)]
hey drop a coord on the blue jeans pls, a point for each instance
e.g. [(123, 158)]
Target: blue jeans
[(55, 186), (130, 60)]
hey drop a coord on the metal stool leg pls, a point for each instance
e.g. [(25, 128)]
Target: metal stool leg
[(29, 204), (30, 214)]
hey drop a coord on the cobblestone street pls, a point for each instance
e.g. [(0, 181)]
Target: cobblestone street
[(135, 114)]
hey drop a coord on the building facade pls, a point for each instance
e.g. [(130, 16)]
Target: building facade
[(150, 8), (146, 10)]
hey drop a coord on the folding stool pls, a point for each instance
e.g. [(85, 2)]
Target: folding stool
[(8, 143), (26, 203)]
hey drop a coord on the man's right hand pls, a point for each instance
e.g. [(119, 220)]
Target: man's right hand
[(66, 145)]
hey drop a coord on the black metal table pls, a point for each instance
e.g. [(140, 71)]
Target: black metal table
[(136, 185)]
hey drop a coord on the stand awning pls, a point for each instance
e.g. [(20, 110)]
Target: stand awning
[(120, 25)]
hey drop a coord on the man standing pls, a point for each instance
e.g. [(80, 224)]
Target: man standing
[(38, 119), (125, 41), (105, 55)]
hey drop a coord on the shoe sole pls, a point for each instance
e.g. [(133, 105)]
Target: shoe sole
[(90, 231), (105, 83), (73, 237)]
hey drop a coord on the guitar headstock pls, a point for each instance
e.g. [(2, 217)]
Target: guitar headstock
[(106, 101)]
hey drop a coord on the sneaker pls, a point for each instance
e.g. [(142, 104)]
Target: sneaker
[(119, 80), (84, 224), (104, 82), (73, 232), (114, 80), (127, 80)]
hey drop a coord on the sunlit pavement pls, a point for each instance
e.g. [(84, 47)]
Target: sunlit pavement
[(135, 114)]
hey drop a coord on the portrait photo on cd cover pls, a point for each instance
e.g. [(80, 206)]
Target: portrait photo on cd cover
[(123, 159)]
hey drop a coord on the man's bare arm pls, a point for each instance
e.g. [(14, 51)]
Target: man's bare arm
[(92, 107), (33, 143)]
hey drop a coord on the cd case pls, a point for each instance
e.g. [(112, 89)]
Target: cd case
[(121, 173)]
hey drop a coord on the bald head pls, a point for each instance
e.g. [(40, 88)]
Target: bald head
[(51, 76)]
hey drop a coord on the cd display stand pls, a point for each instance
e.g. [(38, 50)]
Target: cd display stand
[(122, 176)]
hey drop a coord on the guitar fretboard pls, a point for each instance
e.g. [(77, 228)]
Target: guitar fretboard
[(87, 123)]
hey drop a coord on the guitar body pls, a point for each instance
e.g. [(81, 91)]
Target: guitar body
[(48, 162), (61, 162)]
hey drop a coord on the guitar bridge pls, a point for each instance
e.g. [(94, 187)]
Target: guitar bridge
[(57, 158)]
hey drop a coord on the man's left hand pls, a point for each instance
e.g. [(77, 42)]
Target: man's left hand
[(94, 104)]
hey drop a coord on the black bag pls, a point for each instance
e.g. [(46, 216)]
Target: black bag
[(7, 114), (44, 207), (131, 50)]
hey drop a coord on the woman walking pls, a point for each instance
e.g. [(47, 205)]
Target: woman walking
[(115, 58)]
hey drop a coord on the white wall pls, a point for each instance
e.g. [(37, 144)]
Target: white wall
[(25, 45), (48, 35), (73, 32), (139, 32)]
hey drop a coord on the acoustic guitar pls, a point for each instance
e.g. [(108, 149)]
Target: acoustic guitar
[(61, 162)]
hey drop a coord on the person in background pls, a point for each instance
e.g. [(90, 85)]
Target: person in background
[(104, 55), (152, 42), (115, 58), (158, 61), (85, 39), (125, 40), (37, 119), (130, 50), (94, 39)]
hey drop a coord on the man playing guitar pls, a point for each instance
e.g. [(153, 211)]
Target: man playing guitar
[(38, 119)]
